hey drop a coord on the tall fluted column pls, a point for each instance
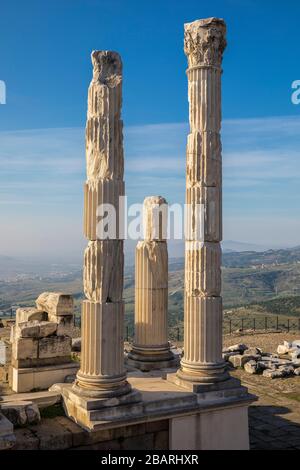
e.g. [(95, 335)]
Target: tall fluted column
[(102, 372), (204, 43), (151, 348)]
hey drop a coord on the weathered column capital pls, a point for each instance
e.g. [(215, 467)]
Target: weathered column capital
[(107, 67), (205, 42), (104, 126), (155, 218)]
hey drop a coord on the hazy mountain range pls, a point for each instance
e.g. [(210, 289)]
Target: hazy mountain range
[(255, 254), (248, 276)]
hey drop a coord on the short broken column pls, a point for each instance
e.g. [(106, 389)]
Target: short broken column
[(151, 349)]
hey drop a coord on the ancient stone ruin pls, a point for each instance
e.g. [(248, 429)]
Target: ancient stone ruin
[(41, 343), (193, 403), (204, 44)]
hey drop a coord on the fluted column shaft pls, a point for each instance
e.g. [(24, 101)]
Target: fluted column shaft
[(102, 372), (151, 347), (202, 362), (151, 295)]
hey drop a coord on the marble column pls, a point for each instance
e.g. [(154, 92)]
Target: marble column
[(102, 373), (151, 349), (204, 44)]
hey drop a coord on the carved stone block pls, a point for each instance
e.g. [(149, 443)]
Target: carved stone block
[(29, 314), (56, 303)]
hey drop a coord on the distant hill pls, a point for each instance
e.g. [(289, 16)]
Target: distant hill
[(288, 306), (236, 246), (176, 248), (268, 279), (265, 281), (254, 258)]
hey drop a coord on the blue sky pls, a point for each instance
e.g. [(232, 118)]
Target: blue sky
[(45, 61)]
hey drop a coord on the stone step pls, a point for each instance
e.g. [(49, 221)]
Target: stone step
[(41, 399)]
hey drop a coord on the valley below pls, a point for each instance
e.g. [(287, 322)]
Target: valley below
[(255, 285)]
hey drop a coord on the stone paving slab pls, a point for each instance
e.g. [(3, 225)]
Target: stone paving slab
[(274, 422)]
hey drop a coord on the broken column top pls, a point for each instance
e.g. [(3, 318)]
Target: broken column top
[(152, 201), (107, 67), (56, 303), (205, 42), (104, 136), (155, 218)]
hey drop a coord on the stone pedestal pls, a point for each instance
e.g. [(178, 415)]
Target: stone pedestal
[(219, 429), (151, 348), (210, 420)]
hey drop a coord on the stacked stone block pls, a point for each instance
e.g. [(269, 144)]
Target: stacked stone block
[(41, 343)]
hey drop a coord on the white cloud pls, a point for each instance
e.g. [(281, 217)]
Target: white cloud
[(46, 168)]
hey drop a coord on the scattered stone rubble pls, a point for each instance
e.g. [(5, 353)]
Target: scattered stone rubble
[(21, 413), (7, 437), (285, 363)]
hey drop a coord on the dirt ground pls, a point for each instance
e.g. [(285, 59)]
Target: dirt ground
[(268, 342), (274, 419)]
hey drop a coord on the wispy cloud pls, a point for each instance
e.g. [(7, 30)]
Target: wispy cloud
[(261, 167)]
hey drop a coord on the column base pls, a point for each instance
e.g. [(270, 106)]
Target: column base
[(152, 359), (206, 378), (197, 387), (95, 387), (224, 428), (90, 412)]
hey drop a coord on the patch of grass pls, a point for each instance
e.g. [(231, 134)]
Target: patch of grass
[(75, 357), (52, 411), (292, 396)]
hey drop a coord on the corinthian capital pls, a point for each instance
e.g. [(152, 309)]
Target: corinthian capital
[(204, 42)]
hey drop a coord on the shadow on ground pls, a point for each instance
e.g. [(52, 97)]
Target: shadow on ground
[(269, 429)]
